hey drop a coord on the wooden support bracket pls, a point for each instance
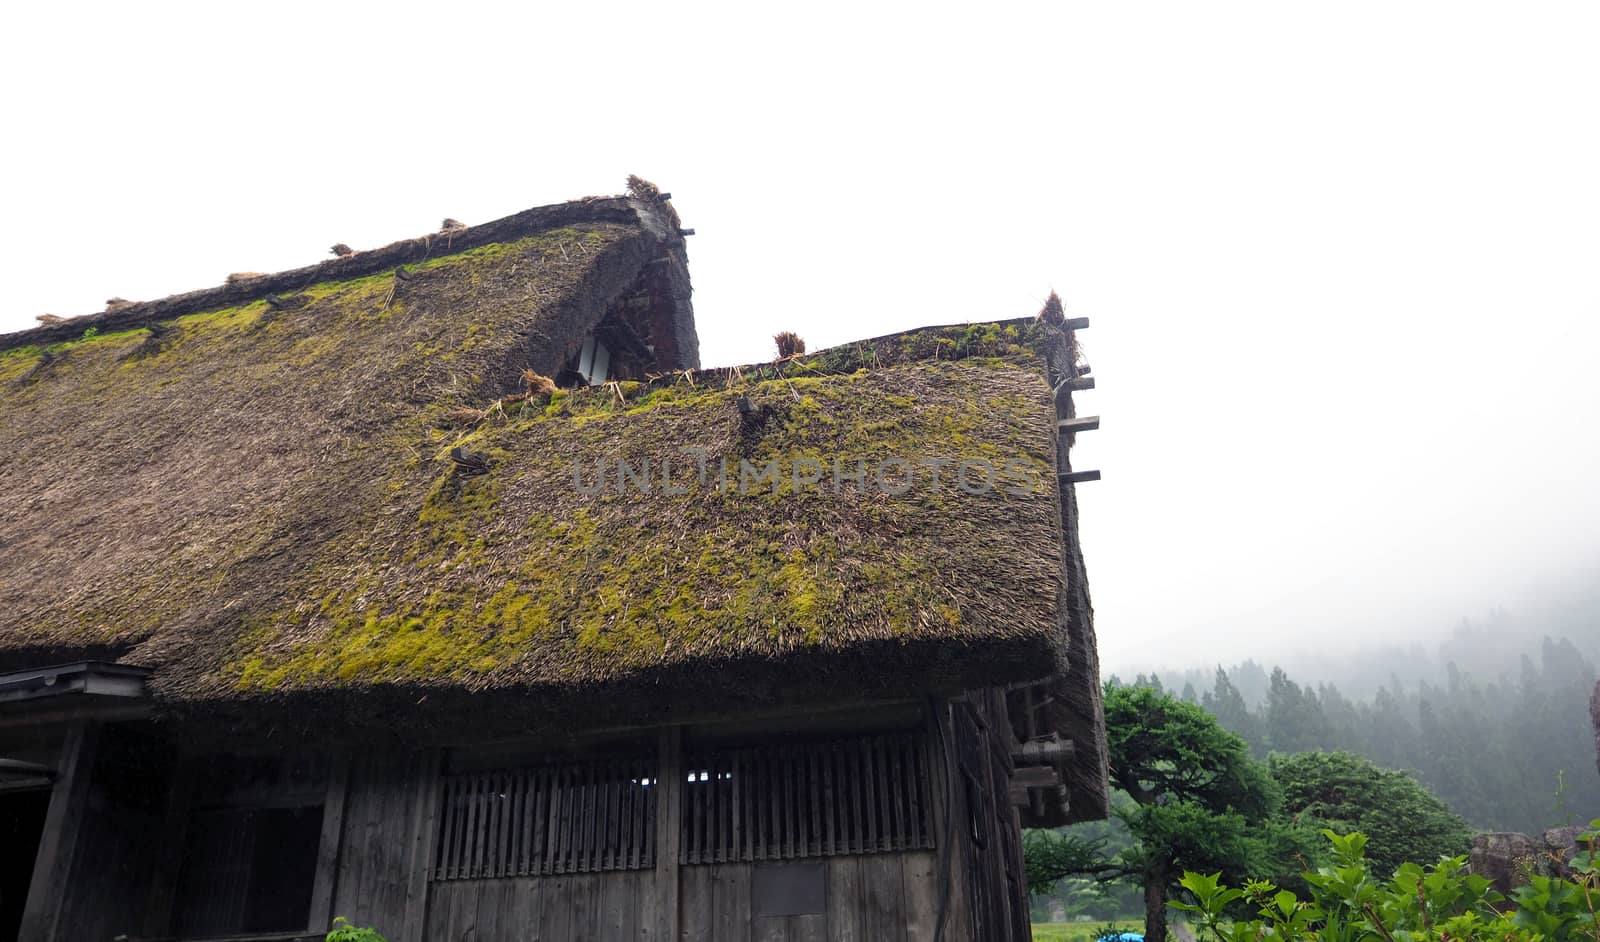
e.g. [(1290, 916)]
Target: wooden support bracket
[(1077, 323), (1079, 383), (1078, 477), (1035, 776), (1083, 423)]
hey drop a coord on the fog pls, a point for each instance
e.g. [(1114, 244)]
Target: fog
[(1339, 261)]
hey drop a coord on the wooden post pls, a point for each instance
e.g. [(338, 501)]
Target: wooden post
[(424, 815), (322, 889), (953, 919), (52, 865), (669, 792), (175, 834)]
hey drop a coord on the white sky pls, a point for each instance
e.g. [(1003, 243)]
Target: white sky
[(1340, 259)]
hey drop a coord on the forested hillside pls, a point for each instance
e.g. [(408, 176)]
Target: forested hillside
[(1506, 741)]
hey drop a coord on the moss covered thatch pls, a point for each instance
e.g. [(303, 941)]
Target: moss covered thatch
[(284, 495)]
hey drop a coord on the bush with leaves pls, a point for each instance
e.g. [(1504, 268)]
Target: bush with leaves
[(1348, 793), (1439, 903), (343, 931)]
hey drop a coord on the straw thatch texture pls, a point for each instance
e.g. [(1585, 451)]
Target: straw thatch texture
[(158, 484), (351, 485)]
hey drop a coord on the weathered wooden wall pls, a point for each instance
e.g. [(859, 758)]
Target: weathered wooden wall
[(375, 851), (881, 898), (891, 896), (118, 825), (617, 905), (379, 863)]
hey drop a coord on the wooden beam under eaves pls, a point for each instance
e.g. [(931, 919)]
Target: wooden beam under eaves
[(1077, 323), (1080, 383), (1078, 477), (1083, 423)]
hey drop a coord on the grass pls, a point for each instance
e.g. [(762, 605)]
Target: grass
[(1080, 931)]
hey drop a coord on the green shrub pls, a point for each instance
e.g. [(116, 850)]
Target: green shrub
[(1440, 903), (343, 931)]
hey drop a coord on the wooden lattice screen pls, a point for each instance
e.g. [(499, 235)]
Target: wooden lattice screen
[(859, 796), (578, 818)]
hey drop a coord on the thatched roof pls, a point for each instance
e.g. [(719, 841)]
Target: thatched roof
[(251, 491)]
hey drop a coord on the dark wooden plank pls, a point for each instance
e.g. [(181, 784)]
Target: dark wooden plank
[(488, 854), (844, 899), (668, 831), (774, 801), (731, 903), (582, 794), (952, 838), (322, 888), (164, 880), (830, 811), (724, 821), (696, 902), (555, 914), (1081, 423), (1077, 323), (632, 811), (811, 928), (473, 825), (1079, 477), (616, 902), (368, 845), (586, 916), (872, 788), (760, 805), (920, 873), (492, 902), (556, 829), (646, 897), (527, 900), (437, 923), (394, 876), (445, 860), (589, 843), (539, 816), (858, 842), (738, 835), (791, 810), (616, 827), (695, 839), (423, 826), (897, 802), (883, 898), (770, 929), (464, 909), (518, 815), (503, 861), (814, 800)]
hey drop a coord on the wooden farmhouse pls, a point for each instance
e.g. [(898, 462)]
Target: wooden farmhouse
[(319, 598)]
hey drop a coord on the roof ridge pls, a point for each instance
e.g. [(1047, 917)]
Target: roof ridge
[(627, 210)]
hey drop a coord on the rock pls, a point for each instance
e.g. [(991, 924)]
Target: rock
[(1505, 857), (1560, 846)]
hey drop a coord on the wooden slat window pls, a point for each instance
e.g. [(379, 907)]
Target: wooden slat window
[(575, 818), (857, 796)]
